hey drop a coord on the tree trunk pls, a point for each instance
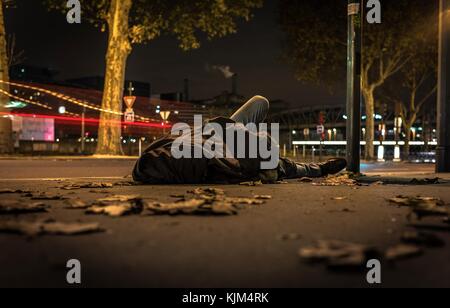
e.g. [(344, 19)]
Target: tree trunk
[(407, 148), (370, 125), (5, 123), (119, 48)]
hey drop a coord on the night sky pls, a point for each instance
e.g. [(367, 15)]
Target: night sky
[(254, 53)]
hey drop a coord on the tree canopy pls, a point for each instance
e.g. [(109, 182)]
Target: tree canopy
[(316, 45), (184, 19), (131, 22), (316, 38)]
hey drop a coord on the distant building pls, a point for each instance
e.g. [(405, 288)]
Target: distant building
[(142, 89)]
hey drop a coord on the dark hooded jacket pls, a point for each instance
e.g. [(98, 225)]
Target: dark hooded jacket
[(158, 166)]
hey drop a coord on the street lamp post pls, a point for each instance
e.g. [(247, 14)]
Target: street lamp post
[(443, 112), (83, 131), (354, 98)]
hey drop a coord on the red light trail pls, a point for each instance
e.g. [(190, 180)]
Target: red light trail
[(86, 120)]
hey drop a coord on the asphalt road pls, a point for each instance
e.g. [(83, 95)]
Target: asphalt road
[(237, 251), (64, 168), (45, 168)]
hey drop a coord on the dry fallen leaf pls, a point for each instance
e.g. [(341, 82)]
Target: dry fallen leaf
[(263, 197), (19, 207), (325, 250), (184, 207), (76, 186), (223, 208), (32, 229), (251, 183), (338, 180), (416, 201), (114, 210), (47, 196), (337, 254), (97, 185), (125, 183), (243, 201), (70, 187), (402, 251), (119, 198), (208, 191), (13, 191), (76, 204), (210, 195), (178, 196), (58, 228), (423, 206), (206, 201), (339, 198), (117, 205)]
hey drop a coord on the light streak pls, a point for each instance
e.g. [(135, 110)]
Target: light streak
[(69, 99), (25, 100), (87, 120), (343, 143), (6, 93)]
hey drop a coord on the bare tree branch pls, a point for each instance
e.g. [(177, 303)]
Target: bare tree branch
[(15, 57), (425, 99)]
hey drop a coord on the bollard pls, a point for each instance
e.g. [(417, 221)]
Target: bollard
[(397, 154), (381, 154)]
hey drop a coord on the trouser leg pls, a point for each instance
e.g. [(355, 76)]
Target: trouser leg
[(254, 111), (288, 169)]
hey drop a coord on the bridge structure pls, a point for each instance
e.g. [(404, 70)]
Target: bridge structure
[(299, 136), (307, 118)]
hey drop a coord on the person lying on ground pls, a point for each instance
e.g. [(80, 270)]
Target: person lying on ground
[(158, 165)]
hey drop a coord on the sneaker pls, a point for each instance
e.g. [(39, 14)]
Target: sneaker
[(333, 166)]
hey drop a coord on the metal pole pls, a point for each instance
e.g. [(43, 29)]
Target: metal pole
[(321, 150), (354, 98), (83, 130), (443, 112)]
